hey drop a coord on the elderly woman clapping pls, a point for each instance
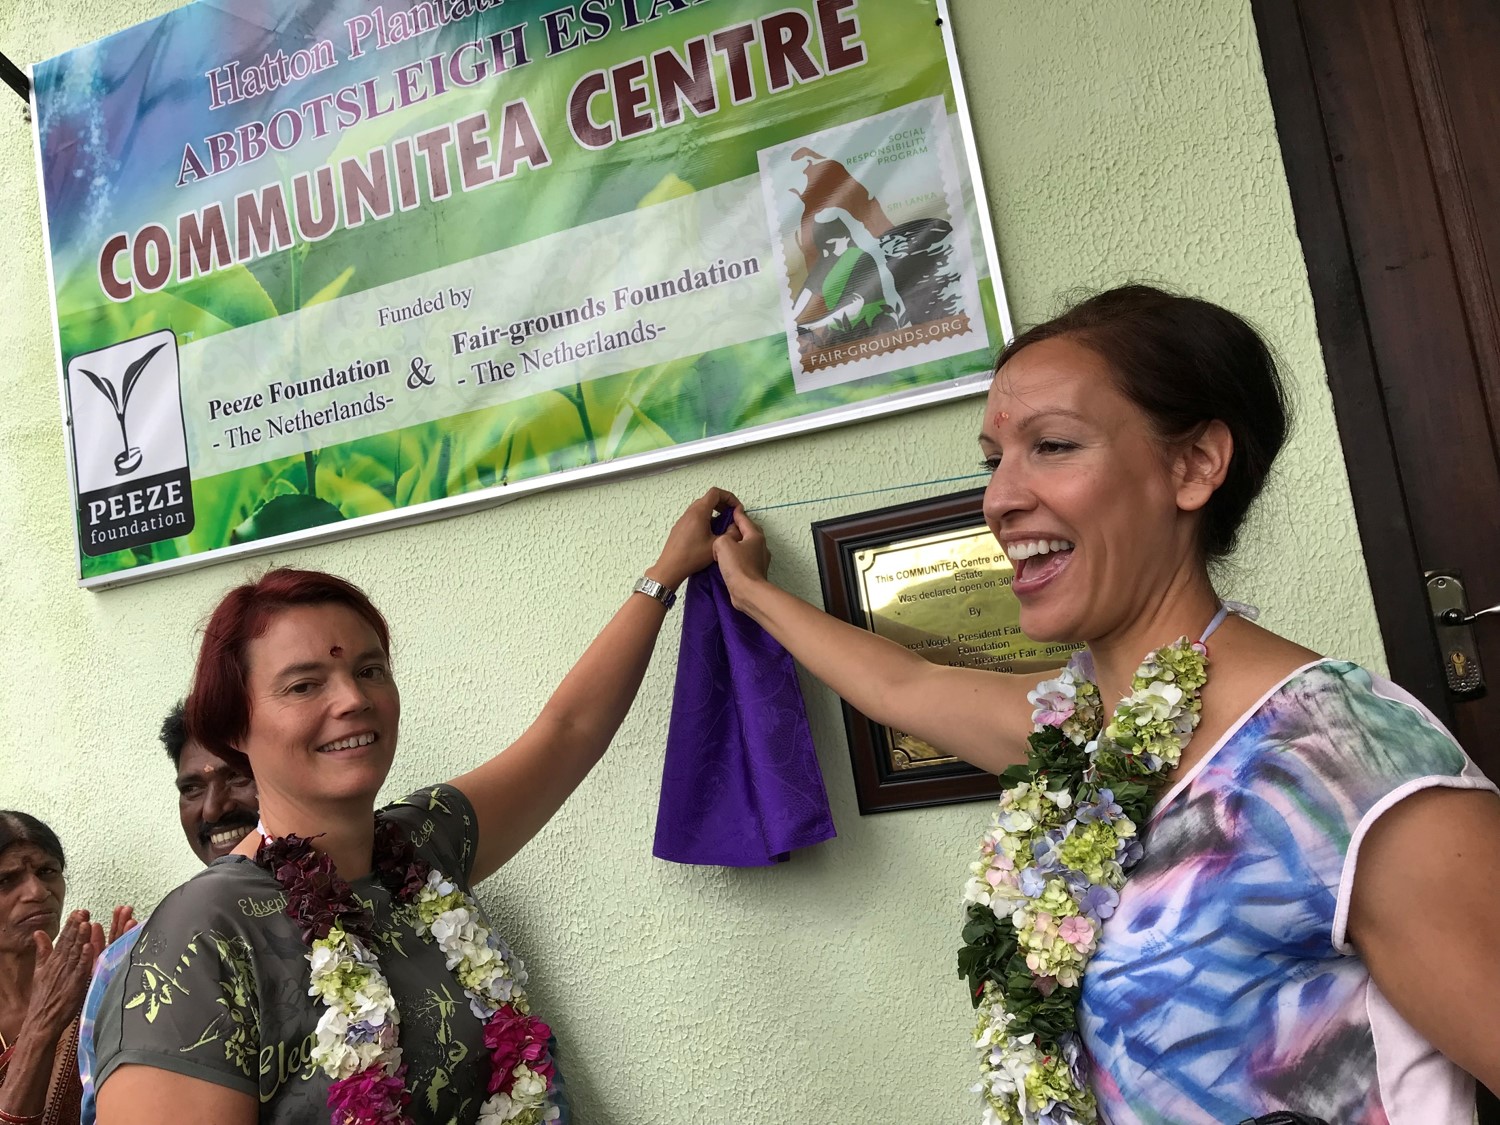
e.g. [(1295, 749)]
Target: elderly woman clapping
[(41, 983)]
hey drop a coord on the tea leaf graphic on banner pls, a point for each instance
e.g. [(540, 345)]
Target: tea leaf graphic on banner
[(670, 187), (351, 461), (333, 289), (290, 481), (635, 433), (662, 381), (284, 515), (223, 501), (431, 482), (406, 484), (575, 396), (525, 464), (353, 497), (234, 297)]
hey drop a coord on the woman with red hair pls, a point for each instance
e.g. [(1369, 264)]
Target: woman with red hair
[(336, 967)]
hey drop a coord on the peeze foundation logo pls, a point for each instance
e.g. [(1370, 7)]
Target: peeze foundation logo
[(129, 445)]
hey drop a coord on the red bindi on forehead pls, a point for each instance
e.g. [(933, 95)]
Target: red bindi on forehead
[(336, 650), (1000, 416)]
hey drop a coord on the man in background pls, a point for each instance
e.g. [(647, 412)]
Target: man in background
[(219, 807), (218, 804)]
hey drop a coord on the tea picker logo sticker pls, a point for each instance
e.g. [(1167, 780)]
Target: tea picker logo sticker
[(129, 445), (870, 234)]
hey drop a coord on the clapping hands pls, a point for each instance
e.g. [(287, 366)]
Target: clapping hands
[(62, 974)]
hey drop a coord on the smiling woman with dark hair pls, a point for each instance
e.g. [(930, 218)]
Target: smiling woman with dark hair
[(41, 984), (1313, 863)]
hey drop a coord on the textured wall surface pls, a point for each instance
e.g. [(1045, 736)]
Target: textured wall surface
[(1125, 140)]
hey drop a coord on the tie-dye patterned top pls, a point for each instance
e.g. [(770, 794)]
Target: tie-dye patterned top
[(1224, 986)]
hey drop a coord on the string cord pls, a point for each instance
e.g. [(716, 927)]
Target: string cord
[(865, 492)]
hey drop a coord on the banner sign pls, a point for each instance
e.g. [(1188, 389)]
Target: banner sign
[(323, 265)]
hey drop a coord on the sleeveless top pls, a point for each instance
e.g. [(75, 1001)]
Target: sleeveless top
[(1224, 986)]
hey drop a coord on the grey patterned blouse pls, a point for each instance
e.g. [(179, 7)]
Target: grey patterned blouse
[(216, 987)]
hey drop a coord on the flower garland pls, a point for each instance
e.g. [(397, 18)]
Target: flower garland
[(356, 1038), (1050, 871)]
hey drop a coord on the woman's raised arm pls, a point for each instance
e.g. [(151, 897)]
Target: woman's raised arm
[(981, 717), (516, 792)]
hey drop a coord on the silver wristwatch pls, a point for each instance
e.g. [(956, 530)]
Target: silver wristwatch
[(654, 589)]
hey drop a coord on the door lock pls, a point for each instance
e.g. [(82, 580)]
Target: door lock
[(1451, 620)]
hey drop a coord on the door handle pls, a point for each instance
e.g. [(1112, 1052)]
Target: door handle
[(1452, 622), (1458, 617)]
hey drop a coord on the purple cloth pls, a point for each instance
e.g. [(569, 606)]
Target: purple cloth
[(741, 786)]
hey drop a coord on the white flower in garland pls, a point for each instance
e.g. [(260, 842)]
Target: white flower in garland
[(493, 978), (1049, 873), (356, 1040), (358, 1029)]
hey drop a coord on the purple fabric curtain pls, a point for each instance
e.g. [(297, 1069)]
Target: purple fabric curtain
[(741, 785)]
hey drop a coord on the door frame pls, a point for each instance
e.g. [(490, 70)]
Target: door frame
[(1380, 501), (1381, 505)]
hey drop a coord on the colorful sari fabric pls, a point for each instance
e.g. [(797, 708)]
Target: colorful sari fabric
[(64, 1091)]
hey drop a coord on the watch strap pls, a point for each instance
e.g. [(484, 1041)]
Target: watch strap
[(654, 589)]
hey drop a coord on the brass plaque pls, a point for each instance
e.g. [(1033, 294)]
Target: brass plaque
[(947, 598)]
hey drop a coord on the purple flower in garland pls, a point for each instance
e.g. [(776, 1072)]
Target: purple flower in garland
[(1128, 852), (1098, 902), (370, 1097), (316, 896), (365, 1032), (1103, 809), (1072, 1052), (397, 866), (1033, 883), (1058, 1113), (1045, 857)]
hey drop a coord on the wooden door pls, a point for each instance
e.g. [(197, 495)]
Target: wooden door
[(1388, 113)]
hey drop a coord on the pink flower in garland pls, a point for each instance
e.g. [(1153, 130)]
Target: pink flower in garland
[(370, 1097), (1077, 931), (1054, 701), (514, 1039)]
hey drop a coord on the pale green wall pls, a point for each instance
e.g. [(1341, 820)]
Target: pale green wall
[(1131, 139)]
